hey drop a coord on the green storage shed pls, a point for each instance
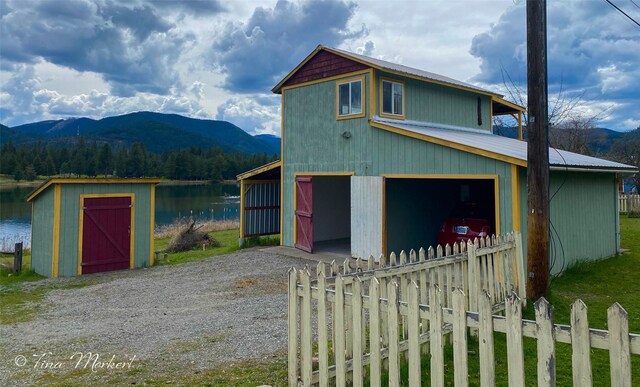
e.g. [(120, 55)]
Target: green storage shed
[(82, 226)]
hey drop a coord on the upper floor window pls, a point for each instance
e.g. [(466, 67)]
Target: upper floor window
[(350, 98), (392, 98)]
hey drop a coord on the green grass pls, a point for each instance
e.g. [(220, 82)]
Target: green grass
[(599, 284), (228, 240)]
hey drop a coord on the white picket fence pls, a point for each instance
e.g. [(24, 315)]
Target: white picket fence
[(360, 312), (629, 202)]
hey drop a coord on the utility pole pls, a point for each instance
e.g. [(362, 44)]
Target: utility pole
[(537, 151)]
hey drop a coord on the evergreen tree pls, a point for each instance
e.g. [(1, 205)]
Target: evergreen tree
[(18, 174), (105, 160), (49, 166), (30, 173)]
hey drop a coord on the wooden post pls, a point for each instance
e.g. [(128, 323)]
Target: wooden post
[(460, 360), (374, 332), (580, 345), (537, 151), (17, 258), (546, 344), (293, 328)]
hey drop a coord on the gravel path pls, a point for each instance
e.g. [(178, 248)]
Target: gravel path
[(200, 314)]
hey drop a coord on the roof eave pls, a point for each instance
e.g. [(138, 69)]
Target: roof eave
[(517, 108), (79, 180), (259, 170)]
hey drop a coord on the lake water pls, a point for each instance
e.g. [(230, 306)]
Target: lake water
[(202, 202)]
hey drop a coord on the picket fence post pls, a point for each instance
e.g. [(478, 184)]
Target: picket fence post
[(580, 346), (392, 321), (546, 344), (323, 344), (619, 353), (460, 361), (338, 329), (435, 333), (473, 276), (293, 328)]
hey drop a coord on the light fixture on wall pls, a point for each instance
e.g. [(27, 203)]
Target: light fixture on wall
[(346, 135)]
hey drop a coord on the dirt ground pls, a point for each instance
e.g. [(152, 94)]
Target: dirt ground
[(167, 320)]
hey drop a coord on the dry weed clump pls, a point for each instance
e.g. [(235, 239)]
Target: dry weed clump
[(190, 237), (171, 230)]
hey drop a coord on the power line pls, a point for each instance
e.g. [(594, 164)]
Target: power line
[(634, 3), (623, 12)]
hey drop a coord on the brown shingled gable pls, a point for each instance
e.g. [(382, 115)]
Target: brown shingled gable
[(323, 65)]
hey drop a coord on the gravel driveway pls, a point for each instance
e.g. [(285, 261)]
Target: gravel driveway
[(191, 316)]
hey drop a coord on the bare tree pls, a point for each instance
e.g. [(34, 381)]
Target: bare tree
[(572, 134), (569, 127), (627, 150)]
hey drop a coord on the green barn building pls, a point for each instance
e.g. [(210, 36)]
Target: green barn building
[(376, 155), (82, 226)]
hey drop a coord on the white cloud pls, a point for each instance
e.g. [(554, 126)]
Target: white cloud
[(255, 114)]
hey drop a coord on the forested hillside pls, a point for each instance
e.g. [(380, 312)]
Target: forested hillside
[(26, 162)]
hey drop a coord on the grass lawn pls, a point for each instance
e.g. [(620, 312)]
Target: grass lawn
[(599, 284)]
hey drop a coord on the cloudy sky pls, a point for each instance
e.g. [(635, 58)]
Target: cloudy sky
[(219, 59)]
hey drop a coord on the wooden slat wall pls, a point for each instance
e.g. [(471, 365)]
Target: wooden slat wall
[(445, 105), (583, 212), (69, 218), (366, 216), (313, 142), (42, 228)]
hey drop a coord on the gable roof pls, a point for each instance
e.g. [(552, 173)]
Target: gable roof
[(503, 106), (493, 146), (88, 180)]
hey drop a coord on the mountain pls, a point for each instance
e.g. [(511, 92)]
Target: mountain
[(271, 140), (157, 131), (599, 140)]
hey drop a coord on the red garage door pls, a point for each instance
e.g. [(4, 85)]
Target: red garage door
[(304, 213), (106, 234)]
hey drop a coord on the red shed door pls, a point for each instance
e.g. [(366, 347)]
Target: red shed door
[(304, 213), (106, 234)]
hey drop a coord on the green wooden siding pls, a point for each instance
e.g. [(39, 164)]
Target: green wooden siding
[(42, 238), (42, 233), (441, 104), (313, 142), (583, 212), (70, 216)]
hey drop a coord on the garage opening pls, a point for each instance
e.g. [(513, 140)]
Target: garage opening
[(417, 208), (323, 214)]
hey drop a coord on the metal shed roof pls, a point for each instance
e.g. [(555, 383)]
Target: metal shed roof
[(491, 145), (501, 105), (383, 64)]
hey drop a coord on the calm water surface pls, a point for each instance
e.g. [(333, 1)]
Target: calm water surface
[(202, 202)]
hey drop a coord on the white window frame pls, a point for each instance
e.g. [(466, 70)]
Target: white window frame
[(391, 114), (350, 82)]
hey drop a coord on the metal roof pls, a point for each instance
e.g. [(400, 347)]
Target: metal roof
[(383, 64), (509, 148)]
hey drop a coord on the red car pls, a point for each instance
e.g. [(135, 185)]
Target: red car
[(467, 221)]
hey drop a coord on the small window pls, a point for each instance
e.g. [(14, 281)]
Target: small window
[(392, 94), (350, 98)]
